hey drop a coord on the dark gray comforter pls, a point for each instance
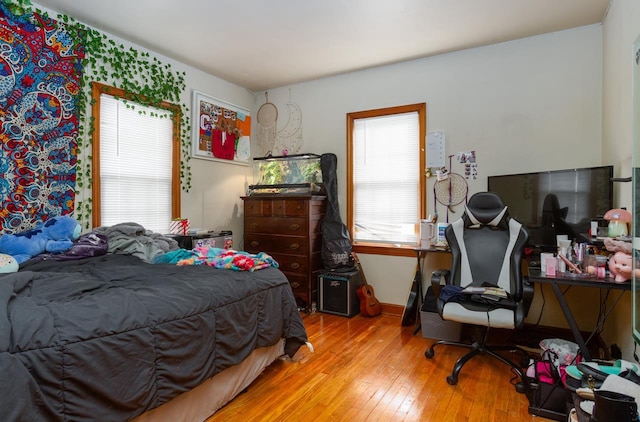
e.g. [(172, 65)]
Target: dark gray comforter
[(109, 337)]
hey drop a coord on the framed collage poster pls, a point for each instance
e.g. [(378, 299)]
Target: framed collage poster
[(221, 130)]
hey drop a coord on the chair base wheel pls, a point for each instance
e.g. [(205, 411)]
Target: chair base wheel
[(429, 354), (521, 388), (451, 380)]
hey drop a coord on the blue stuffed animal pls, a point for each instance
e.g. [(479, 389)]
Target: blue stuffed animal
[(55, 235)]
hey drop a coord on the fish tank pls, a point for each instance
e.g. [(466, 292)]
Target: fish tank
[(287, 174)]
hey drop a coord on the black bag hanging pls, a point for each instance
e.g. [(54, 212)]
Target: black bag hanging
[(336, 242)]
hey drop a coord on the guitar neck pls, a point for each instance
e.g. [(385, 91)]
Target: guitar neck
[(357, 261)]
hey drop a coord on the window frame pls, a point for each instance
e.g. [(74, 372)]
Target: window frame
[(97, 89), (378, 248)]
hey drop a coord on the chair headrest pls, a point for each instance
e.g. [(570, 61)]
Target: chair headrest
[(486, 209)]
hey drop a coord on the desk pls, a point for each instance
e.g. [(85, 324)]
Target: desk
[(536, 276), (407, 316)]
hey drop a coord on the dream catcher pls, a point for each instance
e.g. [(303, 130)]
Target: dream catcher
[(450, 190), (267, 118), (289, 138), (270, 139)]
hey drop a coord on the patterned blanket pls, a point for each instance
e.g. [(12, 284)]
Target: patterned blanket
[(40, 85), (228, 259)]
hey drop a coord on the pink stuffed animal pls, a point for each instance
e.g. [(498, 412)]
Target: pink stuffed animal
[(621, 262), (621, 266)]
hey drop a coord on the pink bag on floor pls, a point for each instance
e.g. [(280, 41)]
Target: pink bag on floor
[(557, 354)]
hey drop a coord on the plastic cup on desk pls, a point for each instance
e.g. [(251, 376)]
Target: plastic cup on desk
[(579, 253), (590, 265), (601, 264), (596, 265)]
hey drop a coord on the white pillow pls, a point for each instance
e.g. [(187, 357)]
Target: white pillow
[(8, 264)]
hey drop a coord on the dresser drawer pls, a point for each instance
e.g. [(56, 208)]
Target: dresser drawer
[(277, 225), (304, 289), (299, 283), (276, 207), (294, 245), (292, 264)]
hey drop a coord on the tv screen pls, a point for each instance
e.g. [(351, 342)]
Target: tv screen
[(556, 202)]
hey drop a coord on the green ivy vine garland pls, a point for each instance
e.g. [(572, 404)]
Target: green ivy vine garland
[(149, 81)]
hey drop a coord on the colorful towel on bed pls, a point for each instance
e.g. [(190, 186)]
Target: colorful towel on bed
[(228, 259)]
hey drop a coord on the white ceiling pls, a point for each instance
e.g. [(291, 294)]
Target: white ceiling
[(263, 44)]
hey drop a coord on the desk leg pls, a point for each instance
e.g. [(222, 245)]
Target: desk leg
[(420, 298), (572, 322)]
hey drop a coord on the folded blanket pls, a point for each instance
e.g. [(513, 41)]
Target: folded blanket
[(219, 258)]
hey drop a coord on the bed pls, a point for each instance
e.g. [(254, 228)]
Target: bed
[(112, 337)]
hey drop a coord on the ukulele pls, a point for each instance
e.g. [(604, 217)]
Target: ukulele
[(369, 305)]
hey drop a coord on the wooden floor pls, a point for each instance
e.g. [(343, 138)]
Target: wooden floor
[(372, 369)]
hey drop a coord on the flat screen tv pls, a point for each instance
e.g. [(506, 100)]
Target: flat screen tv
[(556, 202)]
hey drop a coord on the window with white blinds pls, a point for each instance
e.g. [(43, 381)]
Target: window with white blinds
[(135, 164), (387, 176)]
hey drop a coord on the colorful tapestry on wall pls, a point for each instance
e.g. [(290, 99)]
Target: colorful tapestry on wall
[(40, 77)]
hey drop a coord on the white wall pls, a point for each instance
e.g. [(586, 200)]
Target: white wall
[(214, 200), (527, 105), (620, 29)]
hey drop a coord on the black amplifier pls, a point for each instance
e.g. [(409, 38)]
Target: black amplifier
[(338, 292)]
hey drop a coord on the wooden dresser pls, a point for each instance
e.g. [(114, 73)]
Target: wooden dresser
[(287, 227)]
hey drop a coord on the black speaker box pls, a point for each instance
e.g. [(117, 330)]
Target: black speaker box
[(338, 292)]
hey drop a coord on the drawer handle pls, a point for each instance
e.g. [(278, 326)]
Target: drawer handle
[(294, 246), (294, 227), (295, 284), (295, 265), (254, 243), (255, 225)]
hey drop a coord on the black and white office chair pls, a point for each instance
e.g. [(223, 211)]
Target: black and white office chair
[(486, 246)]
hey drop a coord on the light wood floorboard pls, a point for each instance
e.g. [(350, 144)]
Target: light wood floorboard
[(372, 369)]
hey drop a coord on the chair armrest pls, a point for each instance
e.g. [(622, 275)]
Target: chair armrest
[(436, 280), (528, 290)]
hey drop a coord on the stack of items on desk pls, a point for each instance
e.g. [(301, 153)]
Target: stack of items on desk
[(581, 259), (604, 392), (575, 258)]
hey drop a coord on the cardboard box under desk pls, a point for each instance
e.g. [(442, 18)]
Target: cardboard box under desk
[(433, 326)]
